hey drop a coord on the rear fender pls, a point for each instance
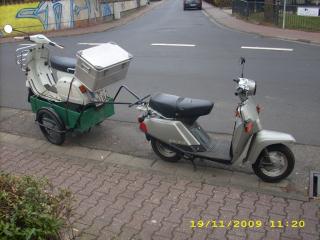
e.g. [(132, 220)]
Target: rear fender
[(265, 138)]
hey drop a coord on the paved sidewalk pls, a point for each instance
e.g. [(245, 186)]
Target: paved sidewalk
[(226, 19), (128, 203), (122, 202)]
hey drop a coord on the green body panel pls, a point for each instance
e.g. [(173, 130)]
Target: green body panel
[(74, 119)]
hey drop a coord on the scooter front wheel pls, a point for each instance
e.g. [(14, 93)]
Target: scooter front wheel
[(275, 166), (164, 151)]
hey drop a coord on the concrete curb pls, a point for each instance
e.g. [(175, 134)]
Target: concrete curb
[(220, 22), (97, 27), (218, 177)]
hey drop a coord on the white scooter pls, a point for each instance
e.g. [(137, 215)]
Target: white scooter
[(169, 122), (71, 94), (60, 79)]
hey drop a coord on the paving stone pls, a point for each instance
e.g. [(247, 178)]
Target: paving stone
[(200, 234), (118, 158), (98, 155), (167, 229), (181, 236), (253, 235), (164, 167), (218, 233), (306, 236), (137, 221), (127, 233), (148, 230)]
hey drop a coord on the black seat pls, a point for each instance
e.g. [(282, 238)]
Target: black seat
[(172, 106), (63, 63)]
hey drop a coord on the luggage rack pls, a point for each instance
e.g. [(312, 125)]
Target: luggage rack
[(21, 56), (130, 104)]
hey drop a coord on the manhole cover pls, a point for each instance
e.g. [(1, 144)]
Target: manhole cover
[(314, 190)]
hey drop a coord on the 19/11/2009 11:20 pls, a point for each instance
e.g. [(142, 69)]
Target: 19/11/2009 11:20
[(246, 224)]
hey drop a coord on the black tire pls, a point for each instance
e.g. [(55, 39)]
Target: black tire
[(51, 126), (30, 94), (287, 169), (164, 151)]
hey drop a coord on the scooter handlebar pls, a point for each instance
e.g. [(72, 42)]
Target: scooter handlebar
[(22, 38), (56, 45), (60, 46)]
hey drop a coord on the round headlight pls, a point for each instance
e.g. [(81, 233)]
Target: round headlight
[(251, 87)]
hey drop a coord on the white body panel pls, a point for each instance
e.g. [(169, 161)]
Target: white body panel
[(75, 96), (49, 83), (173, 132)]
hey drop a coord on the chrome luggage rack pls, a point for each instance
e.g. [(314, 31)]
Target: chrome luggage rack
[(22, 56)]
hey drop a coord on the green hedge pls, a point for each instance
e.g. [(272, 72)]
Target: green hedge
[(30, 210)]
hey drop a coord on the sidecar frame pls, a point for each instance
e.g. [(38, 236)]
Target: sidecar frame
[(77, 117)]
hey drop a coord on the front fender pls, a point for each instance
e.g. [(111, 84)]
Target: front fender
[(265, 138)]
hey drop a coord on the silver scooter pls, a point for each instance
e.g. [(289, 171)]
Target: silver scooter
[(170, 123)]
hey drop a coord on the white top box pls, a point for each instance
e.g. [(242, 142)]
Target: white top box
[(104, 55)]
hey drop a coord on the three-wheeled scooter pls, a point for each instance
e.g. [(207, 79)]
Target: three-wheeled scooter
[(170, 123), (69, 94)]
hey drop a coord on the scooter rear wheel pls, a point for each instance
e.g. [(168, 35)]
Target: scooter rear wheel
[(164, 151), (279, 167)]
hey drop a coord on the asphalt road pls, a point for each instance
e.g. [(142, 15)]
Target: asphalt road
[(288, 81)]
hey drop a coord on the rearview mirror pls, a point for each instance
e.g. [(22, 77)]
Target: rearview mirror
[(242, 60), (8, 28)]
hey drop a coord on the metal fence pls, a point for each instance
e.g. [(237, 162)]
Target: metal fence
[(279, 14)]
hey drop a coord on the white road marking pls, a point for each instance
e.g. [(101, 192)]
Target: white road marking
[(268, 48), (173, 44), (92, 44)]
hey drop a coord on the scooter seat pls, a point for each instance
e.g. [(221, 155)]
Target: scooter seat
[(64, 64), (172, 106)]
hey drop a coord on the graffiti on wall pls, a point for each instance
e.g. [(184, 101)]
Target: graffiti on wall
[(58, 14), (61, 14)]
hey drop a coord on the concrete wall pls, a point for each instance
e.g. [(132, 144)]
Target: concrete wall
[(61, 14)]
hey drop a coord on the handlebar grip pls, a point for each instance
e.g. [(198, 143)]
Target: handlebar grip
[(56, 45), (236, 80), (19, 38), (60, 46)]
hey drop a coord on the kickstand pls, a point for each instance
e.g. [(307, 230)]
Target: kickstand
[(193, 164)]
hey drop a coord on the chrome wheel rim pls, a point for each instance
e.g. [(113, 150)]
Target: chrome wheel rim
[(277, 165), (165, 151)]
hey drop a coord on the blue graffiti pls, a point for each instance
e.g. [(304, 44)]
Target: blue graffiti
[(78, 9), (106, 10), (41, 12), (57, 9), (52, 14)]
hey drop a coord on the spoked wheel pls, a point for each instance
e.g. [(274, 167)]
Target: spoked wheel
[(164, 151), (51, 126), (276, 166)]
